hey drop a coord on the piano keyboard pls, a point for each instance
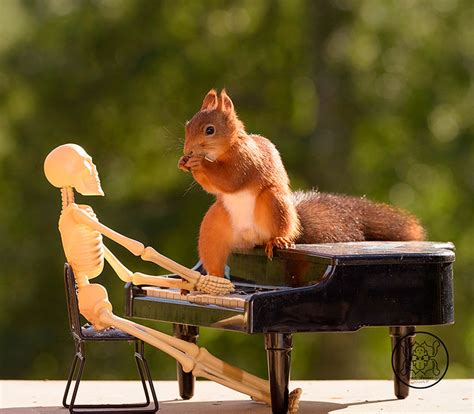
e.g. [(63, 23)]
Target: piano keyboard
[(228, 301)]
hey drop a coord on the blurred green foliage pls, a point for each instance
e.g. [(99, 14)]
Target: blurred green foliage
[(369, 97)]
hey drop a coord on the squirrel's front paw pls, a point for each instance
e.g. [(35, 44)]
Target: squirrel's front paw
[(280, 243), (182, 163), (194, 162)]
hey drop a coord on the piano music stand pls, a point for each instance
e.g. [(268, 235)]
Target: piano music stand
[(86, 333)]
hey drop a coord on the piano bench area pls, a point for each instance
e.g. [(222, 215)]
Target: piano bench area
[(334, 287)]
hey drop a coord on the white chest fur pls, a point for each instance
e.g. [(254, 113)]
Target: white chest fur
[(241, 209)]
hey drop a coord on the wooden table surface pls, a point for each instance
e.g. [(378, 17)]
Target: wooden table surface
[(339, 397)]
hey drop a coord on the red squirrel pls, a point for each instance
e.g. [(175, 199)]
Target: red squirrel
[(254, 203)]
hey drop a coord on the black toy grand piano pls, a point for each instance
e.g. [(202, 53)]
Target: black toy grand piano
[(336, 287)]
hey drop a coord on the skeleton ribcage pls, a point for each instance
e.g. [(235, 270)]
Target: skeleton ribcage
[(82, 245)]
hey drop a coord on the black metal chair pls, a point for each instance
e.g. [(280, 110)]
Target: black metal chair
[(86, 333)]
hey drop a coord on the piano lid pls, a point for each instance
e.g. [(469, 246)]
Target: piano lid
[(365, 253)]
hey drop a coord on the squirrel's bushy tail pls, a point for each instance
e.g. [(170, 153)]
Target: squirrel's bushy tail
[(327, 218)]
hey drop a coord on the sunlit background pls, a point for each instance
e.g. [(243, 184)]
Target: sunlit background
[(368, 98)]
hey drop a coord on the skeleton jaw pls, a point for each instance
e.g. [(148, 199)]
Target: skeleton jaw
[(88, 183)]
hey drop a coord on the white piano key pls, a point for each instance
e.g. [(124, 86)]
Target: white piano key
[(228, 301)]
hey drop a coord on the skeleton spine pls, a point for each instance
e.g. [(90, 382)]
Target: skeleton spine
[(67, 196)]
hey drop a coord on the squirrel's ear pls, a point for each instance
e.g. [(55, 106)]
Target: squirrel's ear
[(227, 105), (210, 101)]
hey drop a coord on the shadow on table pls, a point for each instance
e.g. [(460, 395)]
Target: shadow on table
[(217, 407)]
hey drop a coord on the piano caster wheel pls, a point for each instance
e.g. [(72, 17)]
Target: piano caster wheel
[(186, 380), (401, 378), (279, 346)]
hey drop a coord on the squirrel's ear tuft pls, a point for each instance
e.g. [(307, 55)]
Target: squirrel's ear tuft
[(227, 105), (210, 101)]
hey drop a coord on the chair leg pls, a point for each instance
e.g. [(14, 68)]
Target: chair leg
[(78, 356), (401, 358), (145, 375), (279, 348), (186, 380), (69, 380)]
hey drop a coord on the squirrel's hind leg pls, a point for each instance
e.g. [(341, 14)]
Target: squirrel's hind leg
[(276, 215)]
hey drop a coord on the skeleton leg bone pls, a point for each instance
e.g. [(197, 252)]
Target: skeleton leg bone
[(201, 362), (194, 359), (95, 306), (138, 278), (213, 369), (198, 353)]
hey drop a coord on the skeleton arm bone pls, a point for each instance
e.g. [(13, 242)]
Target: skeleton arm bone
[(138, 278), (131, 245), (208, 284)]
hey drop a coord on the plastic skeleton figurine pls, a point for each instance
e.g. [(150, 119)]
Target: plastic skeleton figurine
[(68, 167)]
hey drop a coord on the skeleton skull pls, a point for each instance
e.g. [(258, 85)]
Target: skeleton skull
[(69, 165)]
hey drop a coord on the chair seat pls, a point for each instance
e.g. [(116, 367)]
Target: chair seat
[(88, 332)]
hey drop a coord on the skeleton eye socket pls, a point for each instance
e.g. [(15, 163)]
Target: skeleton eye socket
[(209, 130), (87, 164)]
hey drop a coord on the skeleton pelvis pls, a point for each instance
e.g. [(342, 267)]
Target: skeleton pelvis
[(93, 299)]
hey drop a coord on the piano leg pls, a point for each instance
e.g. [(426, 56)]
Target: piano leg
[(279, 348), (401, 358), (188, 333)]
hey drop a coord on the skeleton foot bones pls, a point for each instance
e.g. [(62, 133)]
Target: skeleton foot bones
[(68, 167)]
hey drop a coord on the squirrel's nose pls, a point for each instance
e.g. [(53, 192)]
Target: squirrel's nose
[(188, 148)]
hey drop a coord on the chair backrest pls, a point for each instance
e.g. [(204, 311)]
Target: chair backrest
[(72, 303)]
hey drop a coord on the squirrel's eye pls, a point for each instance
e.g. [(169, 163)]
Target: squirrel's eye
[(210, 130)]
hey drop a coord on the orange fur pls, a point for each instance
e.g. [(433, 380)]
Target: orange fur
[(275, 212), (215, 239), (254, 201), (329, 218)]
